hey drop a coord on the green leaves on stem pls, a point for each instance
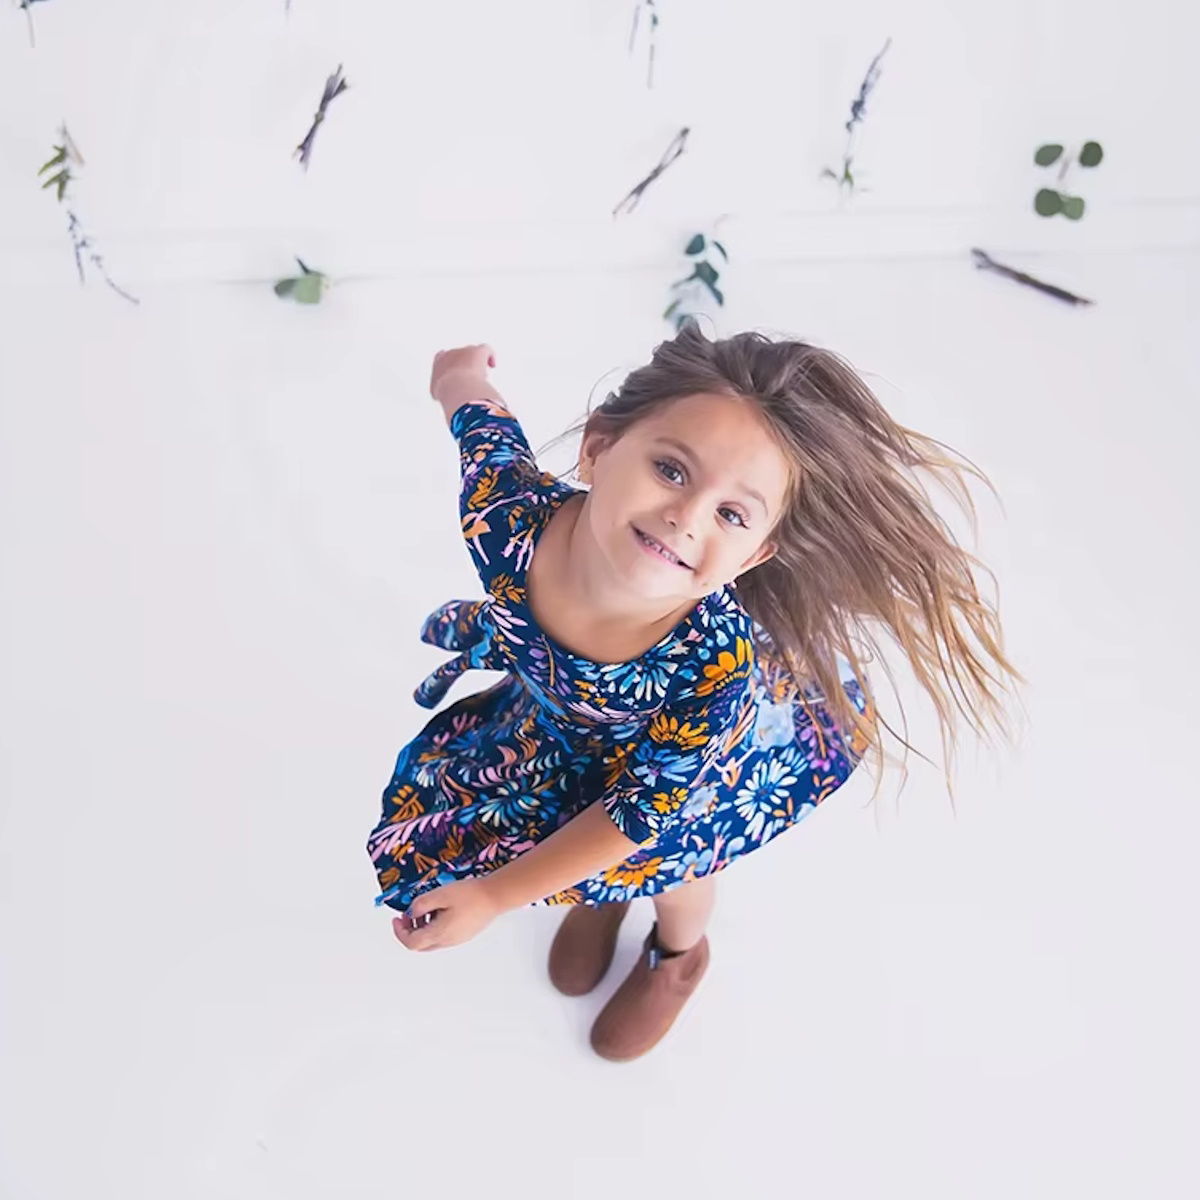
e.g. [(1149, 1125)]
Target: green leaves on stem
[(704, 276), (1051, 202), (306, 288), (66, 155), (858, 110)]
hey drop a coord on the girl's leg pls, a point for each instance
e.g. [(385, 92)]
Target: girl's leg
[(683, 913)]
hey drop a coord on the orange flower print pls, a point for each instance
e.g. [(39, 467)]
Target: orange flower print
[(453, 845), (684, 734), (614, 766), (669, 802), (503, 587), (474, 526), (484, 488), (408, 804), (730, 665), (623, 875)]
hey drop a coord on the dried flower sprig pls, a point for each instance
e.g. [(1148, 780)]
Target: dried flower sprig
[(651, 35), (306, 288), (66, 155), (858, 110), (986, 262), (27, 6), (1048, 201), (672, 152), (704, 276), (335, 85)]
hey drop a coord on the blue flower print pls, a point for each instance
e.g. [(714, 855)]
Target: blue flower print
[(775, 724)]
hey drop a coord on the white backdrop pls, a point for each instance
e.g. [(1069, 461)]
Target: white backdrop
[(223, 517)]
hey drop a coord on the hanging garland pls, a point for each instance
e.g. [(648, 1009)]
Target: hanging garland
[(65, 156), (310, 285)]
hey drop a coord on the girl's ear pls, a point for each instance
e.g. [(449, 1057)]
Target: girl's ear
[(590, 448), (766, 551)]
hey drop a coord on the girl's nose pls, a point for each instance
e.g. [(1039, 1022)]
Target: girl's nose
[(681, 515)]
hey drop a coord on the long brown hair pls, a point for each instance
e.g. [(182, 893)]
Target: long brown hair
[(861, 549)]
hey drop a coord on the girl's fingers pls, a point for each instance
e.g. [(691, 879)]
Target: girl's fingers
[(411, 930), (411, 939)]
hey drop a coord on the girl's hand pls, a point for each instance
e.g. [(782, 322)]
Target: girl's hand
[(460, 911), (451, 368)]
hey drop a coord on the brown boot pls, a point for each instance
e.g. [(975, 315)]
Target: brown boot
[(645, 1006), (583, 946)]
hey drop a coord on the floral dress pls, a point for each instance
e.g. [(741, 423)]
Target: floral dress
[(700, 750)]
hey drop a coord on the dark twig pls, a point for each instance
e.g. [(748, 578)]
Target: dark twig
[(27, 5), (335, 85), (637, 12), (82, 242), (985, 262), (673, 151), (858, 107)]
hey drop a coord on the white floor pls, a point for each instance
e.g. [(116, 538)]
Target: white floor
[(217, 550)]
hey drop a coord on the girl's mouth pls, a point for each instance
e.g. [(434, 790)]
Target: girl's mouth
[(661, 552)]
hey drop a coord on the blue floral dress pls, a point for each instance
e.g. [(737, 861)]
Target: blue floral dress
[(700, 750)]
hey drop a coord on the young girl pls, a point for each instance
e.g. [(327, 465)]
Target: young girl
[(682, 680)]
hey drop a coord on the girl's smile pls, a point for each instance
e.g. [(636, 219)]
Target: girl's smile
[(656, 549)]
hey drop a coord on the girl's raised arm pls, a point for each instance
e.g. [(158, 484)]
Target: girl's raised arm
[(459, 376)]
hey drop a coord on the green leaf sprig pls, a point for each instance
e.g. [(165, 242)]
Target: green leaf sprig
[(858, 110), (1050, 202), (704, 276), (306, 288), (61, 178), (65, 156)]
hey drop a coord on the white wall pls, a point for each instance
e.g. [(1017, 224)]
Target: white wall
[(222, 518)]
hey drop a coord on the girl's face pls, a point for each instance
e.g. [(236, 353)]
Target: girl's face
[(702, 479)]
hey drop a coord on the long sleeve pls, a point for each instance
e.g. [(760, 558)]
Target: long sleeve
[(501, 488)]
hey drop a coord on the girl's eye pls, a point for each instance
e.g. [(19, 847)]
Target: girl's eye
[(664, 466)]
